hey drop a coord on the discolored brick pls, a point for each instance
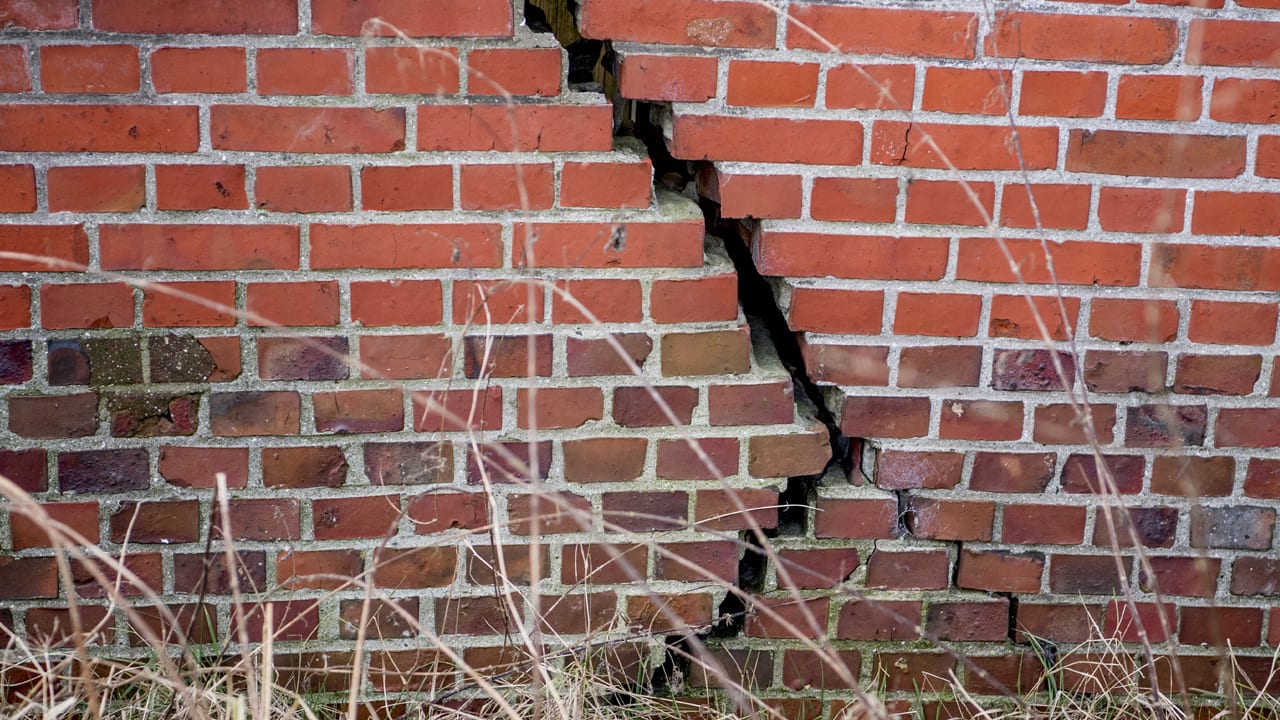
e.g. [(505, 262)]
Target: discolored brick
[(302, 358), (408, 463), (151, 414), (1031, 370), (96, 471)]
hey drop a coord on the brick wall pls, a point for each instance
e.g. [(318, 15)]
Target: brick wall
[(400, 283)]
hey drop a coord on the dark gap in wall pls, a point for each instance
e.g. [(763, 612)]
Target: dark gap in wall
[(755, 295), (794, 502)]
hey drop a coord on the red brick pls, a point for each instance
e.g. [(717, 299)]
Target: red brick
[(234, 17), (1128, 40), (870, 416), (805, 453), (609, 301), (1075, 263), (303, 358), (1063, 424), (606, 184), (1080, 474), (772, 84), (967, 147), (98, 128), (1063, 93), (1192, 476), (942, 202), (1268, 164), (1064, 207), (53, 416), (488, 356), (797, 254), (966, 91), (902, 470), (241, 414), (97, 305), (89, 68), (879, 620), (1248, 427), (1215, 267), (356, 517), (847, 364), (475, 18), (594, 357), (305, 71), (645, 511), (307, 129), (1043, 525), (114, 188), (925, 570), (836, 311), (1142, 210), (404, 246), (1123, 320), (779, 140), (969, 621), (1232, 323), (857, 199), (758, 196), (856, 518), (199, 70), (1221, 627), (1228, 213), (200, 187), (1217, 374), (736, 509), (784, 617), (411, 70), (704, 299), (1121, 152), (937, 366), (673, 78), (189, 304), (516, 128), (353, 411), (396, 302), (715, 352), (1233, 42), (599, 245), (871, 87), (197, 467), (981, 420), (199, 247), (999, 571), (457, 410), (29, 531), (604, 459), (307, 189), (51, 15), (681, 22), (57, 248), (514, 71), (818, 568), (417, 187), (445, 511), (874, 31), (481, 303), (15, 77), (292, 303), (1012, 316), (1149, 622), (952, 520), (15, 307), (1158, 97), (559, 407), (507, 187), (937, 315), (156, 522), (1184, 577), (17, 189)]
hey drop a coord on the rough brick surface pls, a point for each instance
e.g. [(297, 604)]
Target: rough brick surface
[(402, 284)]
